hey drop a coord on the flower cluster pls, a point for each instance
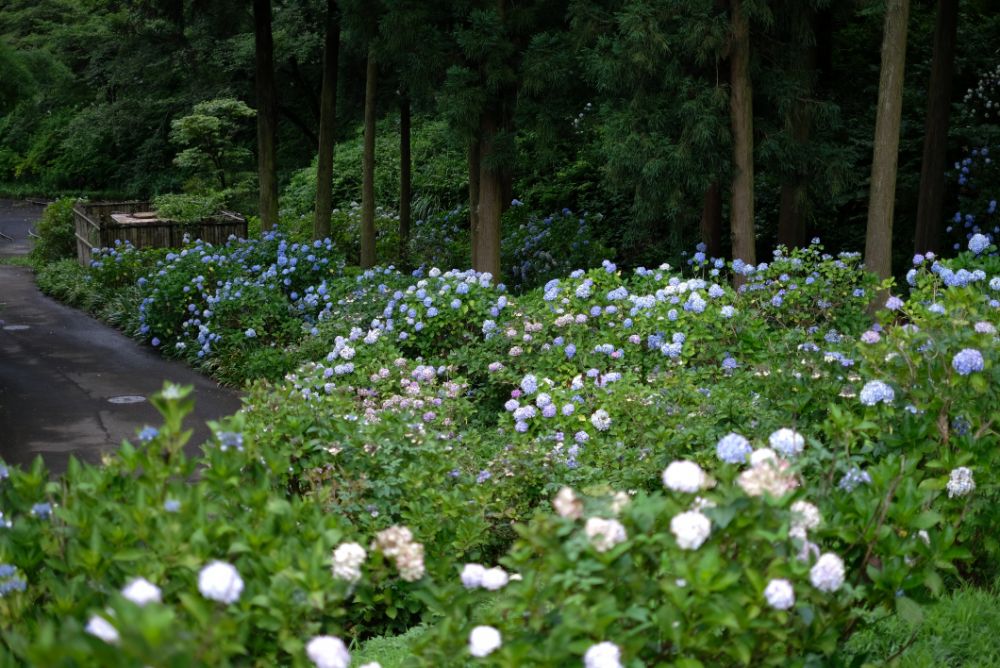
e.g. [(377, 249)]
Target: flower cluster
[(347, 561), (397, 544)]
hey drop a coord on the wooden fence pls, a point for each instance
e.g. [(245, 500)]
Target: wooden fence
[(96, 229)]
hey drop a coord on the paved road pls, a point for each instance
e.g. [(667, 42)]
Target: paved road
[(16, 218), (59, 369)]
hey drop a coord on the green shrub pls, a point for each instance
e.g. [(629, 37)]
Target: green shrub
[(57, 233), (76, 551), (188, 208)]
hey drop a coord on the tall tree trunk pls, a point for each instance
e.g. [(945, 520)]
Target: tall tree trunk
[(368, 168), (487, 243), (474, 167), (931, 200), (267, 115), (405, 177), (327, 124), (711, 220), (741, 116), (878, 241)]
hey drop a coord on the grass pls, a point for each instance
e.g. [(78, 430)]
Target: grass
[(962, 630), (17, 261), (389, 651)]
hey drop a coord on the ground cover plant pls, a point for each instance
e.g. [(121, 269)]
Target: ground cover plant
[(616, 468)]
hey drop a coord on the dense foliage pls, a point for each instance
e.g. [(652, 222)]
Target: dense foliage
[(615, 467), (617, 108), (603, 459)]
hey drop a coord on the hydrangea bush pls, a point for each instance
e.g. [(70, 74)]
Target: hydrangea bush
[(616, 468)]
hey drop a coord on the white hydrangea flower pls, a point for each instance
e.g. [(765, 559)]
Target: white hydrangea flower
[(604, 534), (761, 455), (484, 640), (141, 591), (827, 574), (373, 664), (619, 501), (221, 582), (601, 420), (410, 562), (347, 560), (472, 576), (102, 628), (684, 476), (691, 529), (960, 482), (328, 652), (772, 476), (390, 541), (603, 655), (787, 441), (779, 594), (567, 504), (494, 578), (805, 517), (396, 542)]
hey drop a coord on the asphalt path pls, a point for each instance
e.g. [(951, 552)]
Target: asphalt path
[(70, 385)]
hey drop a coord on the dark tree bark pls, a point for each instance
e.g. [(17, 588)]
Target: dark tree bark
[(474, 167), (327, 124), (267, 115), (878, 240), (931, 200), (486, 253), (405, 177), (368, 168), (741, 117), (711, 220)]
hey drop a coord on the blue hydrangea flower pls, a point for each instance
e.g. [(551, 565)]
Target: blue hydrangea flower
[(854, 477), (967, 361), (529, 384), (733, 449), (42, 510), (876, 391), (978, 243), (148, 434), (230, 439)]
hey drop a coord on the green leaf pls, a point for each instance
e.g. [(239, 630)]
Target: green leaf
[(909, 611), (926, 519), (933, 582)]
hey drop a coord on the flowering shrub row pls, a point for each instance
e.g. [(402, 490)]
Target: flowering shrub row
[(612, 469)]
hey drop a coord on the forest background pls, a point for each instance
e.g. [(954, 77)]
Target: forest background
[(625, 110)]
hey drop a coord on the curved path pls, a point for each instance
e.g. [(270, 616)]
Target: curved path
[(62, 373)]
